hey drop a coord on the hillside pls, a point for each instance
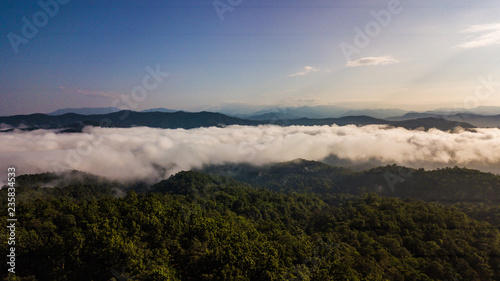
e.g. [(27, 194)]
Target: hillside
[(195, 226), (443, 185)]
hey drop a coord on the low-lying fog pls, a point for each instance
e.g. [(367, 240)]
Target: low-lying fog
[(152, 154)]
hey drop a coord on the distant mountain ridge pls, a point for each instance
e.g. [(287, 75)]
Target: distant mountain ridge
[(473, 119), (376, 113), (86, 110), (482, 116), (125, 119), (480, 110), (103, 110), (160, 109), (321, 112), (186, 120)]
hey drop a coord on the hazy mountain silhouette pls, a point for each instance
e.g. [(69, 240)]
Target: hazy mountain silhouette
[(160, 109), (321, 111), (473, 119), (187, 120), (85, 110)]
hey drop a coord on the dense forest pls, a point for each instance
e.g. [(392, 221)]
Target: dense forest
[(299, 220)]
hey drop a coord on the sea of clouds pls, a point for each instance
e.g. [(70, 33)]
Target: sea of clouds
[(153, 154)]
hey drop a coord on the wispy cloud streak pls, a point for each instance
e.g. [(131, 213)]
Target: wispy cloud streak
[(307, 70), (372, 61), (90, 93), (482, 35)]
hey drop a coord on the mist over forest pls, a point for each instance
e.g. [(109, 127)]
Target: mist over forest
[(153, 154)]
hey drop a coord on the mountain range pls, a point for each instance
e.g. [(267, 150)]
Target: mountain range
[(321, 111), (474, 119), (71, 122), (102, 110), (481, 116), (85, 110)]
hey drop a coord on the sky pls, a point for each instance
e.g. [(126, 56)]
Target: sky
[(209, 55)]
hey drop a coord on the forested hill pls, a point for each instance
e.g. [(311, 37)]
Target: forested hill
[(196, 226), (72, 122), (444, 185), (125, 119)]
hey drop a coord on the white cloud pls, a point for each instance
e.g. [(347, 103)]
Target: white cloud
[(90, 93), (284, 92), (372, 61), (307, 70), (482, 35), (299, 101), (153, 154)]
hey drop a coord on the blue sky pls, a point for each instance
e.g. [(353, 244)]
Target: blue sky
[(428, 54)]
